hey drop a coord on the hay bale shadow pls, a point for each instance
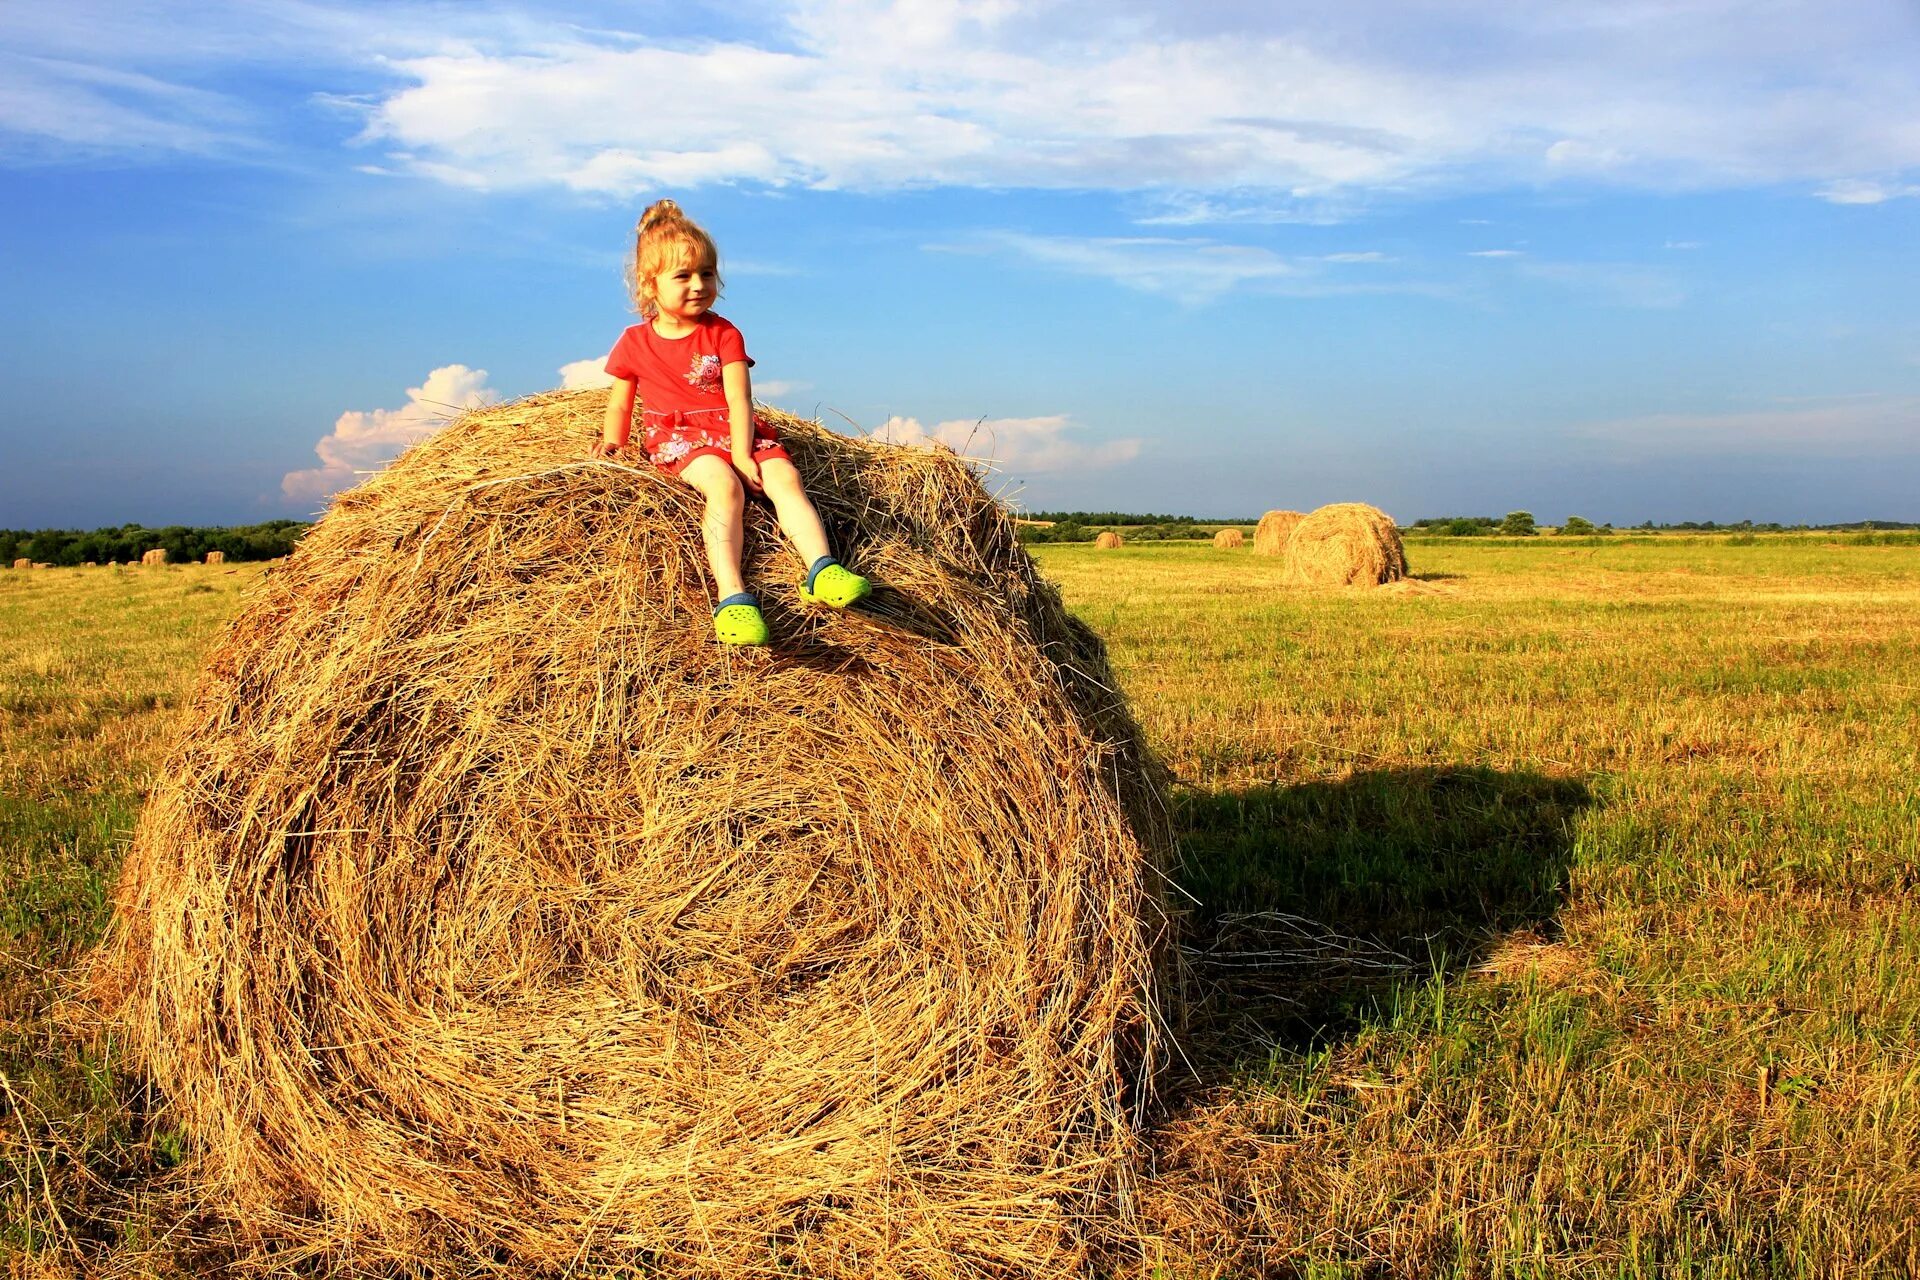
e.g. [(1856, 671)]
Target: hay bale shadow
[(1315, 901)]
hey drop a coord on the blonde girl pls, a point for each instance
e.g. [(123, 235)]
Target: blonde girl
[(689, 367)]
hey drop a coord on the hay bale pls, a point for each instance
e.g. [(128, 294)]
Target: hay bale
[(156, 556), (1229, 539), (1108, 540), (488, 909), (43, 564), (1271, 534), (91, 564), (23, 563), (216, 557), (1345, 544)]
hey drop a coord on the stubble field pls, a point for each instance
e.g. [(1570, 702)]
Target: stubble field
[(1552, 914)]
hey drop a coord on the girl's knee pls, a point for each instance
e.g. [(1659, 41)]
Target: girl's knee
[(780, 479)]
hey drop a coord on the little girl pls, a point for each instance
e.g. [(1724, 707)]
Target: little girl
[(697, 421)]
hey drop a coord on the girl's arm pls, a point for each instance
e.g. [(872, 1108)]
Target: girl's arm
[(619, 423), (738, 385)]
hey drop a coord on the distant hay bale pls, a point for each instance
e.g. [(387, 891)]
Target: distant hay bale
[(1228, 539), (23, 563), (91, 564), (156, 556), (43, 564), (1270, 535), (216, 557), (1108, 540), (489, 916), (1347, 544), (113, 564)]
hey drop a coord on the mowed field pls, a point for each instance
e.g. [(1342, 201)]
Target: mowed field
[(1556, 913)]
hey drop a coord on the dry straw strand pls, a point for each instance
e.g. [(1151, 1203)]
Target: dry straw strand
[(1270, 535), (1345, 544), (1108, 540), (1229, 539), (488, 910)]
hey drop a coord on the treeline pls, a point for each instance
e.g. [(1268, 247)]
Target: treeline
[(267, 541), (1521, 524), (1085, 526)]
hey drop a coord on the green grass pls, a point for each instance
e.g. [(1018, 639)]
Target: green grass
[(1585, 877)]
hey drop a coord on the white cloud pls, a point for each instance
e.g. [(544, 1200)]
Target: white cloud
[(1026, 446), (81, 108), (1268, 109), (581, 375), (1860, 425), (1372, 255), (1494, 253), (1861, 191), (768, 388), (1188, 270), (365, 440)]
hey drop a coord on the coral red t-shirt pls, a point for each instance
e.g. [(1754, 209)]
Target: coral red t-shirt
[(678, 374)]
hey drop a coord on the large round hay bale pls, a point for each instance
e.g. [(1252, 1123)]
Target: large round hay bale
[(1345, 544), (23, 563), (1271, 534), (156, 556), (1229, 539), (1108, 540), (489, 909), (216, 557)]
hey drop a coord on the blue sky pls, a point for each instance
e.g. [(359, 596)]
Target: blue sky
[(1635, 260)]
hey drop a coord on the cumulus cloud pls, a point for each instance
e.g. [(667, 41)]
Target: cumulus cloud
[(579, 375), (364, 440), (1857, 426), (1027, 446)]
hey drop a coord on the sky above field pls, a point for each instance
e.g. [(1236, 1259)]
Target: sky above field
[(1630, 260)]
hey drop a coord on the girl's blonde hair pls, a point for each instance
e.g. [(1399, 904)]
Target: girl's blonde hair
[(664, 239)]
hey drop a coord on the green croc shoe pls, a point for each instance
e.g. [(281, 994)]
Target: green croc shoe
[(740, 622), (835, 585)]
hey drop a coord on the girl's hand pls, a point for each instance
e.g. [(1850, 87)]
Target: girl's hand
[(605, 449), (749, 471)]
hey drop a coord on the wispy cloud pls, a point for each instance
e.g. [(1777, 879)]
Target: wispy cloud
[(1842, 426), (1023, 446), (57, 106), (1494, 253), (364, 440), (1191, 270), (1862, 191)]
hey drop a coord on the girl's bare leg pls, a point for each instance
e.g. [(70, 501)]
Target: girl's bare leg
[(798, 519), (720, 528)]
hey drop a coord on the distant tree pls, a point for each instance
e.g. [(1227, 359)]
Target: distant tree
[(1577, 526), (1518, 524)]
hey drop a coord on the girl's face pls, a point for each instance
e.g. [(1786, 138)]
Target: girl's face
[(686, 291)]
